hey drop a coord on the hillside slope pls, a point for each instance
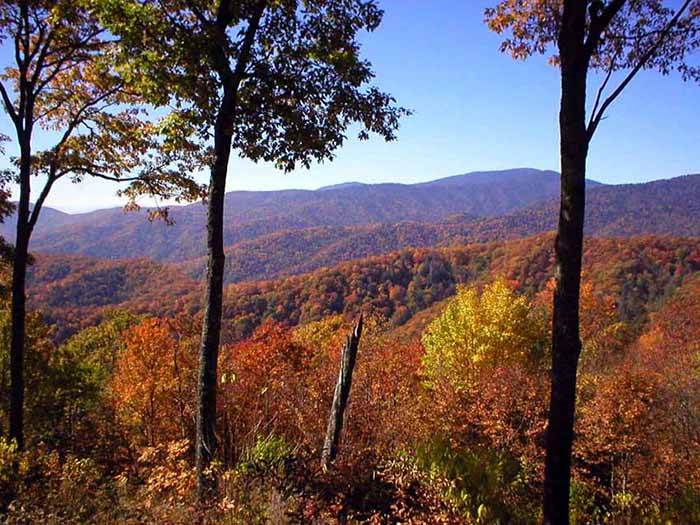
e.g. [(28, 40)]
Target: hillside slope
[(73, 291), (637, 271), (668, 207), (293, 252), (663, 207)]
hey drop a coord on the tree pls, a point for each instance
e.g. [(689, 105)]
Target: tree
[(278, 81), (480, 331), (63, 82), (614, 36), (153, 381)]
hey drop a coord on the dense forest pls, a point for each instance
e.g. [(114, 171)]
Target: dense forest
[(670, 209), (636, 272), (493, 348)]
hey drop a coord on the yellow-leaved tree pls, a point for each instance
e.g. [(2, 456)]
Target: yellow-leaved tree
[(478, 331)]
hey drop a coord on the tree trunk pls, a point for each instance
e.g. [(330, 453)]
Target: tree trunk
[(19, 273), (341, 396), (566, 344), (205, 446), (19, 277)]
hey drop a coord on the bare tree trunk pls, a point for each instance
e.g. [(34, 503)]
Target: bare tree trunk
[(19, 277), (341, 395), (566, 343), (205, 446)]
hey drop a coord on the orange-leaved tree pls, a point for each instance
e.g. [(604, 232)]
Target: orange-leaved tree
[(617, 37), (154, 381)]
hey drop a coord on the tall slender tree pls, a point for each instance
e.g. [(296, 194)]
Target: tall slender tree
[(274, 80), (61, 81), (619, 38)]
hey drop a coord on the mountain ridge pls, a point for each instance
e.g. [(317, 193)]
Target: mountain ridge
[(113, 234), (76, 291), (611, 211)]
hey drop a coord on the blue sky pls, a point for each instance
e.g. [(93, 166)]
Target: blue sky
[(475, 109)]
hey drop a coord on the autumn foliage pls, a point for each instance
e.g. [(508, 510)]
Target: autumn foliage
[(447, 413)]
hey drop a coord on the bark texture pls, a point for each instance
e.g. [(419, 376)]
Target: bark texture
[(566, 343), (19, 273), (19, 278), (341, 396), (205, 441)]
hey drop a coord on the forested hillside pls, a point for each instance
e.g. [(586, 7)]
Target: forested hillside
[(73, 291), (663, 207), (308, 249), (637, 272), (419, 382), (513, 347), (309, 238)]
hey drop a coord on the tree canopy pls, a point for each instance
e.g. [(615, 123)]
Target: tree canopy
[(299, 81), (621, 36)]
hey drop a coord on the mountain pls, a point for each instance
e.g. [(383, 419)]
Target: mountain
[(260, 249), (113, 234), (49, 218), (308, 249), (341, 186), (671, 207), (663, 207)]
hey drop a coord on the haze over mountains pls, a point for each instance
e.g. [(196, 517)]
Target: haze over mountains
[(113, 234)]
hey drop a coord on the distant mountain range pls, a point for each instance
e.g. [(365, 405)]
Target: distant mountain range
[(275, 234), (666, 207), (114, 234)]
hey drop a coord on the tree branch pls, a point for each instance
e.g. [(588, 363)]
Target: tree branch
[(600, 23), (248, 41), (60, 62), (99, 175), (77, 118), (595, 119), (198, 14), (39, 67), (601, 89), (53, 177), (8, 105)]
